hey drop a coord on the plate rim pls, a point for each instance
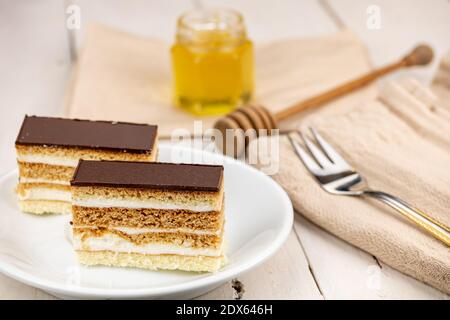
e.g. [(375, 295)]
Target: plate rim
[(215, 278)]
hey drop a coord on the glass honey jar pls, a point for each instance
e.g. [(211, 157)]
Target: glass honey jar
[(212, 61)]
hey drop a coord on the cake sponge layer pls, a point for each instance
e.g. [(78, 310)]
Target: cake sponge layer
[(147, 198), (147, 218), (151, 262), (44, 206), (45, 172), (43, 191), (185, 240)]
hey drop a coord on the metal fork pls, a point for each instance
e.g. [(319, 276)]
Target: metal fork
[(336, 176)]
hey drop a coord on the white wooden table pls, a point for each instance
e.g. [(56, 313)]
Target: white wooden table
[(35, 66)]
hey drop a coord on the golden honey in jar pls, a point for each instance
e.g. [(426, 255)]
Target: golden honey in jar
[(212, 61)]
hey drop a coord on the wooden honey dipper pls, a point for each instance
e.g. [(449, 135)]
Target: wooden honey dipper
[(258, 117)]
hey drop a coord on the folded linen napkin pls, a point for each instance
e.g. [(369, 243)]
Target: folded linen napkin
[(400, 143)]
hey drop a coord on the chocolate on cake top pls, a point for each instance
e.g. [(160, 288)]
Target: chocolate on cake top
[(130, 137), (150, 175)]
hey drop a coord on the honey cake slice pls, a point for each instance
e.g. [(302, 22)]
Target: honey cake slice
[(48, 150), (149, 215)]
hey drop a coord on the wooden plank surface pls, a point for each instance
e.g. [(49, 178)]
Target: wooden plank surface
[(343, 271), (34, 69), (286, 276), (403, 24)]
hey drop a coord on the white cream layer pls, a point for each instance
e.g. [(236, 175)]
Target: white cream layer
[(39, 180), (132, 231), (48, 159), (147, 204), (111, 242), (42, 193)]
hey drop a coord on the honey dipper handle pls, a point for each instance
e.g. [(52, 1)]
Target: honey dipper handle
[(421, 55), (337, 91)]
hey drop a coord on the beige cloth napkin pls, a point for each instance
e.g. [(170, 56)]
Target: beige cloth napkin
[(401, 144), (124, 77)]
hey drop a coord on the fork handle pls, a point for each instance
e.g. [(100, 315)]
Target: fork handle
[(420, 218)]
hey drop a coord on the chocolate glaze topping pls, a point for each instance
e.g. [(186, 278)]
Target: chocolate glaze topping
[(129, 137), (150, 175)]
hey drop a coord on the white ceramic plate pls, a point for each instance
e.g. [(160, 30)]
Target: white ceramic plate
[(36, 250)]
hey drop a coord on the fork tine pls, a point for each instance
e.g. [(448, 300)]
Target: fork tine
[(310, 164), (334, 156), (320, 157)]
